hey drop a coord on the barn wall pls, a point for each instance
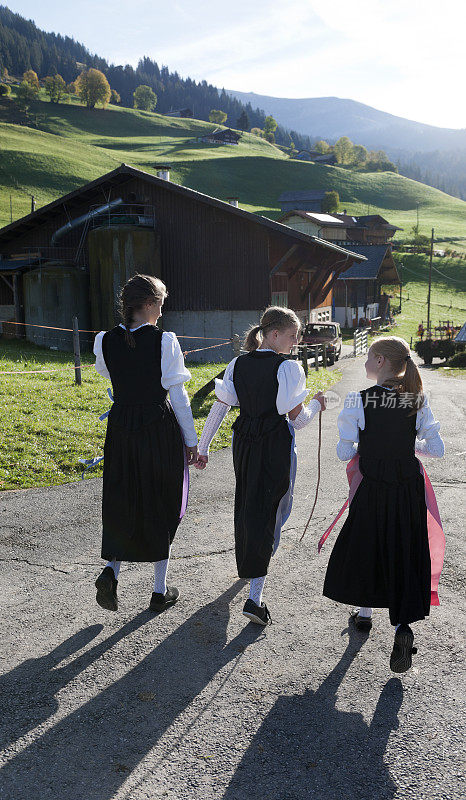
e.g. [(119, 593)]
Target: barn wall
[(209, 324)]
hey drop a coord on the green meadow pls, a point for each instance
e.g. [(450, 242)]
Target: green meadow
[(72, 145)]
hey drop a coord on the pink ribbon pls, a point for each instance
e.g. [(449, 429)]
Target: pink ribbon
[(434, 525)]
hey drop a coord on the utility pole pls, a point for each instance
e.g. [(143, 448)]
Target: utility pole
[(11, 209), (401, 281), (430, 281)]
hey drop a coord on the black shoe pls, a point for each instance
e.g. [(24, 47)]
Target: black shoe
[(258, 614), (403, 650), (159, 602), (106, 585), (363, 624)]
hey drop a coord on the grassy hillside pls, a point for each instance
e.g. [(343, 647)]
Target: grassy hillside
[(72, 145), (448, 294)]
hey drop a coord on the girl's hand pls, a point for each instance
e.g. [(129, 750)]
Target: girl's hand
[(201, 462), (191, 455), (321, 399)]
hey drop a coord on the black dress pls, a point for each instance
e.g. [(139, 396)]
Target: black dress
[(262, 451), (381, 557), (144, 482)]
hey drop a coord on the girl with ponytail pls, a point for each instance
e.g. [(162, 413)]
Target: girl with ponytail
[(149, 444), (385, 556), (270, 391)]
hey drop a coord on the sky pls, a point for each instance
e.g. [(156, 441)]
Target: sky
[(406, 57)]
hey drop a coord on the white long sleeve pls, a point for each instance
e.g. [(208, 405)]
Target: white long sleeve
[(216, 416), (428, 441), (179, 401), (350, 421), (100, 364), (306, 415)]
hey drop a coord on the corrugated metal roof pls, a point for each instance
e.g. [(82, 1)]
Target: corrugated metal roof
[(374, 253), (313, 216), (461, 335)]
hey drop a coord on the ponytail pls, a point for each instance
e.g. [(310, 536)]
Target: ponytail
[(406, 376), (252, 340), (412, 384)]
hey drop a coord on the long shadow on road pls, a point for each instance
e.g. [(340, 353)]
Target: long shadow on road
[(91, 752), (306, 749)]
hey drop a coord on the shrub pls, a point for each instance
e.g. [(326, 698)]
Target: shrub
[(5, 90)]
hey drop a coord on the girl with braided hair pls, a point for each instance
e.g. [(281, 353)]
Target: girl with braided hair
[(389, 552), (270, 391), (149, 444)]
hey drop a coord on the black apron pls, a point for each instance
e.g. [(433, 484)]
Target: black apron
[(143, 452), (381, 557), (261, 458)]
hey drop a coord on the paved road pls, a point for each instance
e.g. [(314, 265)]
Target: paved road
[(194, 704)]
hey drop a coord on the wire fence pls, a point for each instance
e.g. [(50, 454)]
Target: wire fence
[(78, 340)]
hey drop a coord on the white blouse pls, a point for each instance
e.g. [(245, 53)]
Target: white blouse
[(292, 388), (174, 375), (351, 420)]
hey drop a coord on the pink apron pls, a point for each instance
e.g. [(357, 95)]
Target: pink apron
[(434, 525)]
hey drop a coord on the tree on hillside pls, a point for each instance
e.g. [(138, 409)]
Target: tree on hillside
[(5, 89), (30, 77), (93, 87), (359, 154), (322, 146), (72, 88), (115, 97), (343, 150), (330, 202), (144, 98), (257, 132), (26, 95), (55, 87), (217, 116), (243, 121)]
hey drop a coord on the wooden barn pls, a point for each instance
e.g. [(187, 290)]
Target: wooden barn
[(222, 265), (222, 136), (358, 291), (308, 200)]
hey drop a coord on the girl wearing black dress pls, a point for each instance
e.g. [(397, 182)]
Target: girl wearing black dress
[(149, 444), (270, 391), (381, 557)]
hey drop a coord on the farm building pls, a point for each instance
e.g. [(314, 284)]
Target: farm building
[(316, 156), (326, 226), (342, 228), (308, 200), (358, 291), (221, 136), (180, 112), (222, 265)]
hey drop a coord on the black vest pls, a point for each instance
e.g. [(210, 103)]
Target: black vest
[(256, 384), (136, 372), (386, 445)]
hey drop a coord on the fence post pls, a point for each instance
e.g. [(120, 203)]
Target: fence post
[(236, 345), (324, 357), (316, 357), (77, 353), (304, 358), (355, 343)]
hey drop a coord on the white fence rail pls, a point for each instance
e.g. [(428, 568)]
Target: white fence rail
[(360, 342)]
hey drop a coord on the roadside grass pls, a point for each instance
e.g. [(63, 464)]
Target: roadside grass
[(48, 422), (72, 145)]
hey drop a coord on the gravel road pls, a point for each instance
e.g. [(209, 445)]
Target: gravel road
[(196, 704)]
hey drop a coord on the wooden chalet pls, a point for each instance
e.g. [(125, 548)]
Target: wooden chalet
[(308, 200), (369, 229), (222, 265), (185, 113), (357, 292), (222, 136), (316, 156)]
